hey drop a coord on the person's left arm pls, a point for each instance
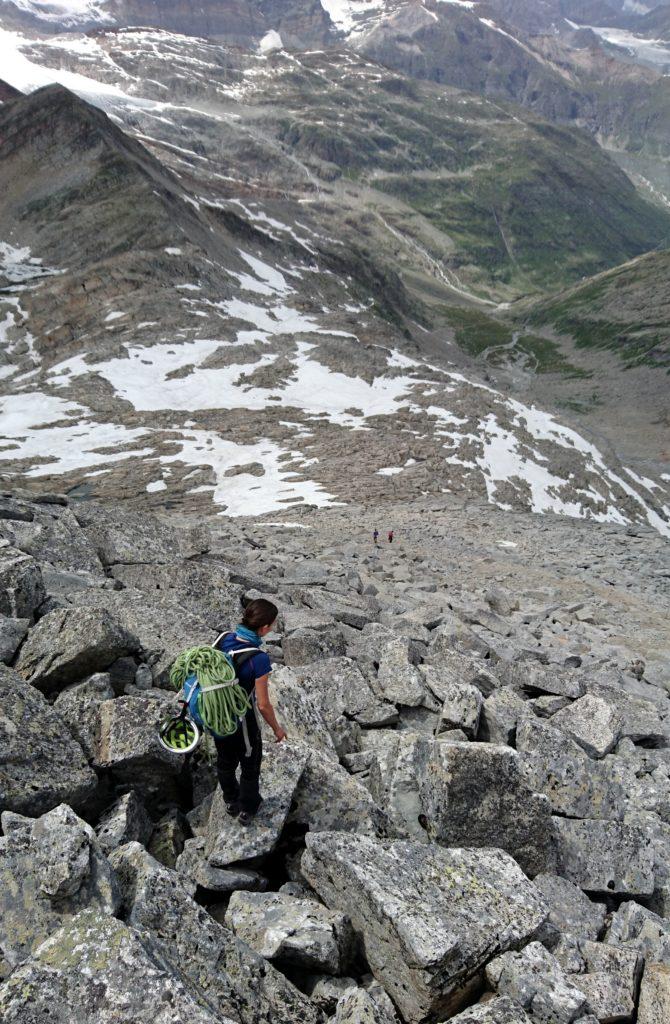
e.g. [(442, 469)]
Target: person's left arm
[(265, 707)]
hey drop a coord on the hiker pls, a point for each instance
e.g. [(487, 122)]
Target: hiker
[(375, 537), (244, 748), (390, 536)]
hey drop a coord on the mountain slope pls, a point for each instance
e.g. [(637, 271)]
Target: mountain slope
[(626, 309), (189, 356)]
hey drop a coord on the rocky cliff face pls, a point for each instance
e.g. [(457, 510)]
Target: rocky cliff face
[(468, 821)]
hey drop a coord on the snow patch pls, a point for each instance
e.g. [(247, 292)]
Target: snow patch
[(270, 43)]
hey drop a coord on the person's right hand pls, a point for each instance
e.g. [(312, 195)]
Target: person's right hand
[(280, 735)]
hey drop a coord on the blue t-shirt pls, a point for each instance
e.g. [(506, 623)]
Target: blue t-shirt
[(256, 666)]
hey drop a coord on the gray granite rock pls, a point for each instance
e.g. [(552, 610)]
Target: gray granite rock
[(79, 706), (121, 535), (304, 645), (162, 626), (193, 864), (168, 837), (204, 588), (654, 1004), (327, 798), (341, 689), (611, 980), (21, 584), (228, 975), (50, 871), (292, 931), (592, 723), (573, 919), (96, 968), (12, 632), (604, 856), (129, 746), (532, 676), (69, 644), (574, 783), (637, 928), (494, 1011), (501, 713), (399, 681), (326, 991), (400, 763), (358, 1007), (54, 538), (227, 840), (41, 763), (429, 918), (475, 794), (126, 821), (299, 710), (461, 708), (533, 978)]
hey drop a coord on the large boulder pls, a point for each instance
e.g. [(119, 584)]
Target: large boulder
[(533, 978), (54, 538), (126, 821), (475, 794), (96, 968), (163, 627), (299, 710), (128, 744), (592, 723), (12, 633), (69, 644), (231, 977), (41, 764), (654, 1004), (21, 584), (121, 535), (204, 588), (327, 798), (341, 689), (293, 932), (227, 840), (573, 920), (398, 680), (80, 707), (358, 1006), (611, 980), (635, 927), (494, 1011), (51, 868), (429, 918), (193, 864), (304, 646), (605, 856), (575, 785)]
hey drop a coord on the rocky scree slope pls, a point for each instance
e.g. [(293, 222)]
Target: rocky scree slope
[(285, 349), (469, 821)]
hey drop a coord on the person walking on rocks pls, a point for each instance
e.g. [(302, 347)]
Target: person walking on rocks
[(390, 536), (244, 748), (375, 537)]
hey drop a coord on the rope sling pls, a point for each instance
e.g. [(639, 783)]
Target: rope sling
[(222, 701)]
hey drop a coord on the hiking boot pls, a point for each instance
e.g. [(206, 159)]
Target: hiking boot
[(233, 809), (245, 818)]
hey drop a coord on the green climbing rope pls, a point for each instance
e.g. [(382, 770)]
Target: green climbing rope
[(220, 709)]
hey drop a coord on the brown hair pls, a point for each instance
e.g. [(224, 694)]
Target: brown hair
[(259, 613)]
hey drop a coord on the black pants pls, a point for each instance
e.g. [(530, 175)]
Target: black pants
[(231, 755)]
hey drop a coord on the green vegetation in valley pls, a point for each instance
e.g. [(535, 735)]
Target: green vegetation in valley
[(626, 310), (482, 335)]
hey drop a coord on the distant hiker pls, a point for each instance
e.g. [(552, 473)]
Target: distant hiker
[(390, 536), (375, 537), (244, 748)]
